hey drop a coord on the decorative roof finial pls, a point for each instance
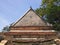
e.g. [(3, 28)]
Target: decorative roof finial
[(30, 7)]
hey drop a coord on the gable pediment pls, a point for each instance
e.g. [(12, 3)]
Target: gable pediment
[(30, 19)]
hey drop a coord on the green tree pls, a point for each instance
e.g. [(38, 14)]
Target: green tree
[(5, 29), (51, 10)]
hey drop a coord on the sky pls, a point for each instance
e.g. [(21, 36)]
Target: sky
[(11, 10)]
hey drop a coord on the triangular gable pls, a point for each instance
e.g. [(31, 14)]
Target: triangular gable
[(30, 19)]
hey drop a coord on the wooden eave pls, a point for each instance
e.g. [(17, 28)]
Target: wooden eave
[(30, 33), (34, 41), (31, 28)]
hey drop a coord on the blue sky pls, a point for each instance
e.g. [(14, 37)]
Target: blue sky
[(11, 10)]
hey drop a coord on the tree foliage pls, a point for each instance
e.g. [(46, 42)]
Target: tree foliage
[(51, 10), (5, 29)]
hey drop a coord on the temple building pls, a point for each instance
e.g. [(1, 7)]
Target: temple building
[(31, 29)]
